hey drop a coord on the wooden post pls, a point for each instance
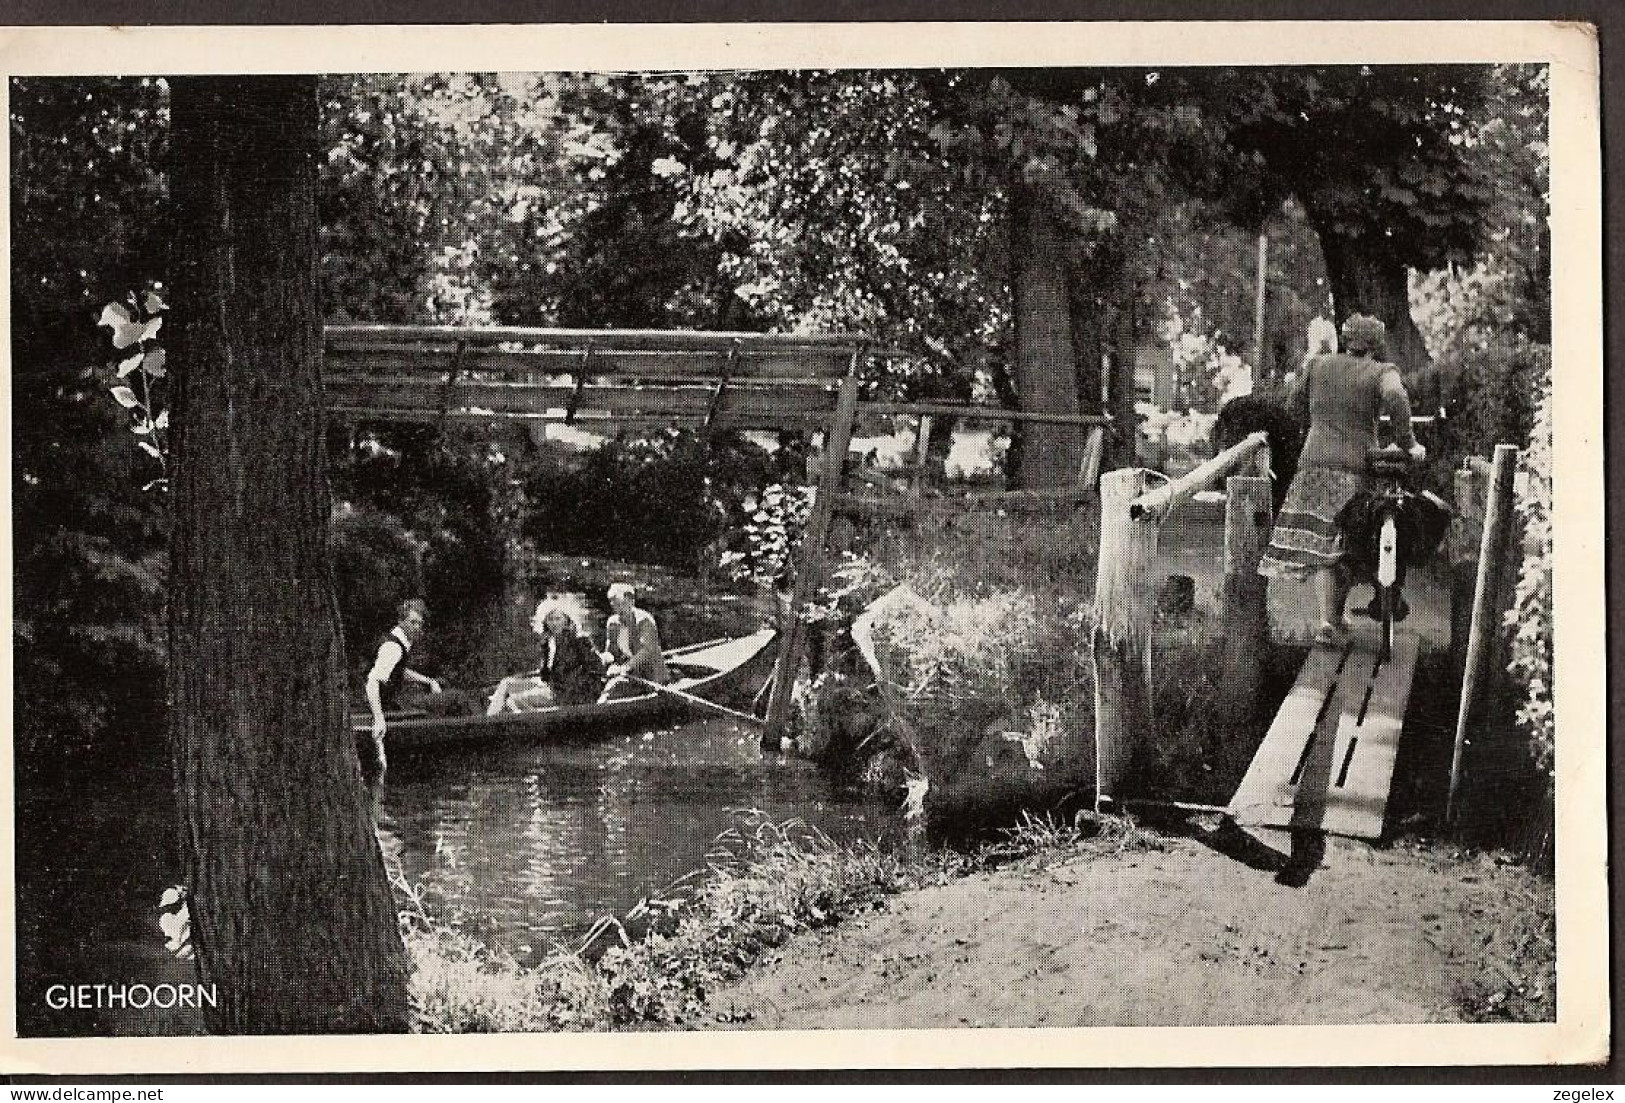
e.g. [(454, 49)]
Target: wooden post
[(1485, 629), (1246, 614), (809, 573), (1261, 368), (1124, 609), (922, 455), (1094, 451), (1472, 488)]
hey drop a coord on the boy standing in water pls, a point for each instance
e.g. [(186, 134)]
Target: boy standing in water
[(389, 677)]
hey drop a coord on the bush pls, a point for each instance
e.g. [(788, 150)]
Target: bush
[(1493, 391), (1531, 615), (376, 564), (663, 498), (992, 694)]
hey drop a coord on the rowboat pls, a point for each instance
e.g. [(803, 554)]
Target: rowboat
[(717, 670)]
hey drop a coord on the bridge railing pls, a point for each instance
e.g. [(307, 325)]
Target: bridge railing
[(1132, 510)]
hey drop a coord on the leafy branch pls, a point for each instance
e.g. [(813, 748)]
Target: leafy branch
[(135, 322)]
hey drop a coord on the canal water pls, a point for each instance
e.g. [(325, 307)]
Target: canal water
[(525, 847)]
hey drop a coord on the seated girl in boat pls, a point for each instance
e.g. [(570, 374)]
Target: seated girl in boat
[(570, 673)]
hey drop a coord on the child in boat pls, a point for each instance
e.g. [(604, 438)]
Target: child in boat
[(570, 671)]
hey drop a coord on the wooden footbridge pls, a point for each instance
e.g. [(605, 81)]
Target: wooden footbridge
[(609, 380), (1327, 760)]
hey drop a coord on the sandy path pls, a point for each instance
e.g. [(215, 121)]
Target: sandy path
[(1185, 936)]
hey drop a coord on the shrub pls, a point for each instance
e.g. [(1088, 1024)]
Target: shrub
[(376, 564), (1531, 615), (993, 695), (662, 498)]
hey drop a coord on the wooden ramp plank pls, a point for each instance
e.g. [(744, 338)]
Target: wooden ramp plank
[(1334, 774), (1268, 784), (1359, 801)]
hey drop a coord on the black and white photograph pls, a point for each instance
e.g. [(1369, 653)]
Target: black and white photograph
[(787, 547)]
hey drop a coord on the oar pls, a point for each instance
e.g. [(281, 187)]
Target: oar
[(689, 698)]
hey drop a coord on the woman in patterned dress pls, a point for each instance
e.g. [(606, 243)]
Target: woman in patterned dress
[(1343, 395)]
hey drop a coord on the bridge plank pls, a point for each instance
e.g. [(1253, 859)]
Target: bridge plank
[(1267, 787), (1359, 806), (1340, 781)]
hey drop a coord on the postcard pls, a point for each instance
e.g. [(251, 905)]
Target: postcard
[(804, 546)]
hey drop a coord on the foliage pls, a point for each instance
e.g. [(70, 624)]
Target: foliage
[(423, 175), (1530, 618), (135, 323), (1374, 153), (377, 563), (774, 523), (661, 499), (86, 203), (447, 493)]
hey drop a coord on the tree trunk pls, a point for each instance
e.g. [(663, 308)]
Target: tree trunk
[(1125, 430), (1046, 375), (1367, 281), (293, 919)]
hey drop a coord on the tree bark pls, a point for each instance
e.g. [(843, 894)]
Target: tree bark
[(1366, 280), (293, 919), (1046, 373), (1125, 345)]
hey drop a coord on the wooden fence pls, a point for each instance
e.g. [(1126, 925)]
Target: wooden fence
[(1131, 516)]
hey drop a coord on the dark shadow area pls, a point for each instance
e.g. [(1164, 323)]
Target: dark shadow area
[(1308, 851)]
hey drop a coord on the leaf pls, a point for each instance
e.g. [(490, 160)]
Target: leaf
[(126, 334), (127, 366), (154, 364), (176, 925), (173, 895), (149, 331), (163, 419), (116, 314), (151, 449), (153, 303), (125, 397)]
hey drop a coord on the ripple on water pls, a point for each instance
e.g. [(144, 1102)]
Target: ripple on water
[(529, 845)]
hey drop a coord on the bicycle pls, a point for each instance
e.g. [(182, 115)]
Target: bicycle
[(1389, 499), (1390, 467)]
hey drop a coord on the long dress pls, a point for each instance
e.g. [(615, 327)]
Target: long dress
[(1344, 395)]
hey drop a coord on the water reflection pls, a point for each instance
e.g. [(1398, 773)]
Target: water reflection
[(527, 845)]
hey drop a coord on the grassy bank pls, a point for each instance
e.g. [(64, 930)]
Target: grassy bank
[(657, 966), (692, 959), (983, 633)]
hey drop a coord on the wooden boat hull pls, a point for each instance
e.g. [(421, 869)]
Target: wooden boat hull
[(720, 670)]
